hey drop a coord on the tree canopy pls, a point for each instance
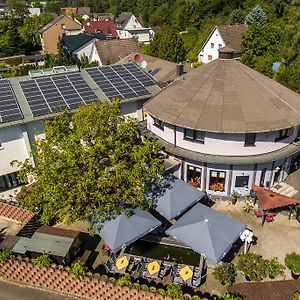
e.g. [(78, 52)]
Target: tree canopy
[(91, 162)]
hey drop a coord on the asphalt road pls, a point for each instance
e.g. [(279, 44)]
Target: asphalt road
[(11, 291)]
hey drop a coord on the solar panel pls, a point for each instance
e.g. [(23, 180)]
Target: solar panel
[(52, 94), (119, 81), (9, 108)]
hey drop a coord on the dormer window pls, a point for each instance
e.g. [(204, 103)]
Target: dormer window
[(282, 134), (194, 135), (250, 139), (159, 123)]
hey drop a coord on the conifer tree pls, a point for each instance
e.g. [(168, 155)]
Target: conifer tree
[(256, 16)]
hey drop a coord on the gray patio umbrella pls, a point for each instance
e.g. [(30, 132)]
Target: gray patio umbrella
[(207, 231), (124, 230), (173, 196)]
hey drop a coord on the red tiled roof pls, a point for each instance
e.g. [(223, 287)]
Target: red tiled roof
[(106, 27), (111, 51), (268, 199), (58, 231), (15, 213)]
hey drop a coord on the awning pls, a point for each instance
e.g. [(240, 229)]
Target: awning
[(268, 199), (173, 196), (124, 230), (207, 231)]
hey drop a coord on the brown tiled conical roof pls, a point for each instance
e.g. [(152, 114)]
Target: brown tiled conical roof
[(227, 96)]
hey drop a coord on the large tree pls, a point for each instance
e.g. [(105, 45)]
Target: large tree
[(92, 162)]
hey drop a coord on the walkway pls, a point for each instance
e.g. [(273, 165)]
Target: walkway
[(11, 291)]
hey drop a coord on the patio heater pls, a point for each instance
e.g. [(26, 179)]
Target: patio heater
[(247, 237)]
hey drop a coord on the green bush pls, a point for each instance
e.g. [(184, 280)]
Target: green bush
[(144, 288), (292, 261), (124, 280), (78, 269), (274, 268), (252, 265), (161, 292), (4, 256), (230, 297), (174, 290), (43, 260), (296, 296), (136, 285), (225, 273)]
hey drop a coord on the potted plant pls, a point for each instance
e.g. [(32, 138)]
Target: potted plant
[(292, 262), (274, 268), (235, 196), (253, 266), (225, 273)]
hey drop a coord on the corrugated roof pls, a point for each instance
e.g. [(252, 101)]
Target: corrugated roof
[(232, 35), (58, 231), (111, 51), (227, 96), (275, 290)]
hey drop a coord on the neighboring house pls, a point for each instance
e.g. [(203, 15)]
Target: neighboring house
[(230, 126), (62, 244), (102, 16), (27, 101), (128, 26), (163, 70), (81, 44), (111, 51), (221, 36), (84, 12), (60, 26), (107, 28)]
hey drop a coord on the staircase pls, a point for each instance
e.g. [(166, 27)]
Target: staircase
[(284, 189), (29, 229)]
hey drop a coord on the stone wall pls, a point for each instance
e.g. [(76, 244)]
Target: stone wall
[(59, 280)]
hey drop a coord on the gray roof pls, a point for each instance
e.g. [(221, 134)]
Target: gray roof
[(125, 230), (227, 96), (40, 242), (207, 231), (173, 196)]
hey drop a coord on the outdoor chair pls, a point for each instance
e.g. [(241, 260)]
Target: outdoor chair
[(196, 282), (109, 266), (131, 265)]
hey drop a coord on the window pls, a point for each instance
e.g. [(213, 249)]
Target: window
[(220, 46), (212, 45), (9, 181), (241, 181), (1, 146), (159, 124), (217, 181), (209, 57), (282, 134), (195, 135), (250, 139), (194, 176)]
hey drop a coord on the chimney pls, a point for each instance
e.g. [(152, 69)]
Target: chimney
[(226, 53), (179, 69)]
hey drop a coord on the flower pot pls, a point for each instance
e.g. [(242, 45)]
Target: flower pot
[(295, 276)]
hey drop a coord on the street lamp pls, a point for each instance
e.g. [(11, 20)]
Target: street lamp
[(247, 237)]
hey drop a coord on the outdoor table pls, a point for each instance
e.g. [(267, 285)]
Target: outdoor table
[(186, 274), (152, 269), (122, 263)]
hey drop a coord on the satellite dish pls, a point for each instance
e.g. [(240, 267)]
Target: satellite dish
[(144, 64)]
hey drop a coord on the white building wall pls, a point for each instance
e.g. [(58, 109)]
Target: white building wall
[(13, 148), (167, 134), (207, 50), (86, 50), (94, 56), (226, 144), (132, 23)]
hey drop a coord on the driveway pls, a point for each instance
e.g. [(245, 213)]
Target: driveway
[(11, 291)]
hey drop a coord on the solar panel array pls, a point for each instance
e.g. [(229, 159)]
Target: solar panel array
[(122, 81), (9, 109), (53, 94)]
